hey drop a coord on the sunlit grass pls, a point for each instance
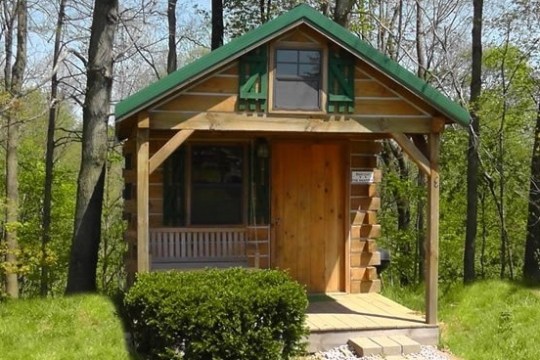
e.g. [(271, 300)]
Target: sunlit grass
[(486, 320), (79, 327)]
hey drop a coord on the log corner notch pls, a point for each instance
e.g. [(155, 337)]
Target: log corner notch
[(426, 157)]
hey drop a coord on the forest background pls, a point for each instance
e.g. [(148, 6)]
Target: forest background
[(484, 56)]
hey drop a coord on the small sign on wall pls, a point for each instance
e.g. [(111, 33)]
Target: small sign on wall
[(362, 177)]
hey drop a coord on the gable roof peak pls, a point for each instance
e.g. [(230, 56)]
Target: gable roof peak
[(301, 13)]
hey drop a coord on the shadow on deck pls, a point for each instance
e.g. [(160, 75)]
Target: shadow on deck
[(335, 318)]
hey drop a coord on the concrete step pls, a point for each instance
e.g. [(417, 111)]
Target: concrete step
[(395, 345)]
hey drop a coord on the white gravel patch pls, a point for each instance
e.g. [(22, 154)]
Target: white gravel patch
[(346, 353)]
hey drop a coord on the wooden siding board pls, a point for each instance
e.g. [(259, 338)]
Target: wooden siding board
[(372, 88), (238, 122), (216, 84), (201, 103), (271, 29), (309, 212), (317, 176), (335, 236), (384, 107), (303, 226)]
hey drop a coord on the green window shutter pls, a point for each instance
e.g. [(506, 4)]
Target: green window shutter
[(253, 83), (174, 189), (340, 83)]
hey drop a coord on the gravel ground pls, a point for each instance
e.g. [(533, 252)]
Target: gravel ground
[(346, 353)]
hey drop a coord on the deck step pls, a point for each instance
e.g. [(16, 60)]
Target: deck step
[(395, 345)]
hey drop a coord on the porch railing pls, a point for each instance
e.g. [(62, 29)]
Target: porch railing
[(197, 247)]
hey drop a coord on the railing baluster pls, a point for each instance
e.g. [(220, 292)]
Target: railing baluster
[(206, 245), (178, 245), (230, 243), (211, 244), (176, 237), (159, 245), (183, 253), (189, 243), (152, 242), (170, 250), (242, 236), (196, 244)]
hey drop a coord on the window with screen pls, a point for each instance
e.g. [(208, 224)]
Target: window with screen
[(217, 184), (297, 81)]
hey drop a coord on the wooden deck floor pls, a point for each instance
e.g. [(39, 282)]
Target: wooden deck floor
[(335, 318)]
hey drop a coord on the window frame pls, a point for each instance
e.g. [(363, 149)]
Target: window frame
[(284, 45), (297, 77), (188, 183)]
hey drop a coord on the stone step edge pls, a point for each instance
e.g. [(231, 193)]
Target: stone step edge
[(384, 345)]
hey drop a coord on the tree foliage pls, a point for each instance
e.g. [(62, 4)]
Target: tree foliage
[(429, 37)]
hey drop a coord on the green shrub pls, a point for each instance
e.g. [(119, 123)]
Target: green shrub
[(217, 314)]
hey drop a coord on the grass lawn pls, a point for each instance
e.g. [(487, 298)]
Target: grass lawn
[(79, 327), (487, 320)]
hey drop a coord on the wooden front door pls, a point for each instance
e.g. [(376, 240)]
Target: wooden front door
[(308, 194)]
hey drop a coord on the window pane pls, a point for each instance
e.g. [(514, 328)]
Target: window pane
[(217, 185), (287, 56), (174, 205), (216, 205), (296, 95), (297, 82), (312, 57), (309, 70), (216, 164), (287, 69)]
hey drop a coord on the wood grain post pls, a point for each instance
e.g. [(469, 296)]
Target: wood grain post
[(166, 150), (432, 245), (143, 255)]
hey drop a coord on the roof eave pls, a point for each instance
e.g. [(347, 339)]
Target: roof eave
[(301, 14)]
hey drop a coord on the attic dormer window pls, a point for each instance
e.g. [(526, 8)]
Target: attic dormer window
[(297, 83)]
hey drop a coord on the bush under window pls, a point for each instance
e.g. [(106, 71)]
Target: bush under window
[(217, 314)]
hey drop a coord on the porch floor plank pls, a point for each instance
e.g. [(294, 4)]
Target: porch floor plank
[(334, 318)]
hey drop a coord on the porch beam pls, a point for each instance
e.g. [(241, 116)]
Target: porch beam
[(414, 152), (432, 245), (143, 254), (166, 150), (226, 121)]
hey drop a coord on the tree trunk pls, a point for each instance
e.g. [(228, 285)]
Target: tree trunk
[(262, 11), (473, 163), (12, 184), (420, 41), (49, 155), (342, 11), (171, 56), (420, 139), (392, 152), (531, 266), (8, 68), (87, 229), (217, 24)]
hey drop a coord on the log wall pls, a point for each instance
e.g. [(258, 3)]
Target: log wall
[(364, 228)]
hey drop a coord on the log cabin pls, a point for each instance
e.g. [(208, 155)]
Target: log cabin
[(263, 153)]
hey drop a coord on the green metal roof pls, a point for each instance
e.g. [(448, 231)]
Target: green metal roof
[(301, 13)]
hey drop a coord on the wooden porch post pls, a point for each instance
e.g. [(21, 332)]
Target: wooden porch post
[(432, 245), (143, 255)]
